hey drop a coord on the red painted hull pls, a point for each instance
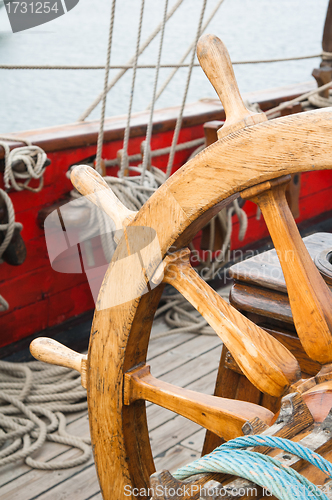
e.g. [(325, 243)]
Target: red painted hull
[(40, 297)]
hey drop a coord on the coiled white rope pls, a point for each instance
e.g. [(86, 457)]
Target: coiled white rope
[(273, 111), (34, 159), (132, 191), (319, 101), (32, 156), (8, 228), (31, 390)]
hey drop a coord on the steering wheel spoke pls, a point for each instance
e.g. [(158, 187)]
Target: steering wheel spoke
[(264, 360), (250, 151), (309, 296), (224, 417)]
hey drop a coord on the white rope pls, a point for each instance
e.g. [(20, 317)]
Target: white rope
[(181, 317), (147, 144), (31, 390), (124, 161), (147, 66), (133, 195), (103, 108), (4, 306), (210, 268), (185, 55), (158, 152), (303, 97), (8, 228), (145, 44), (319, 101), (252, 106), (32, 156), (132, 191), (326, 56), (179, 119)]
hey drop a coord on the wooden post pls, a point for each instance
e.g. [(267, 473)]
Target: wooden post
[(327, 35)]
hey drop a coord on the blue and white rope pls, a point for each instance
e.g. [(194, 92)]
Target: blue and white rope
[(283, 444), (265, 471)]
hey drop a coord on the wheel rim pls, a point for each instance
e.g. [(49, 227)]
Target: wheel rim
[(118, 345)]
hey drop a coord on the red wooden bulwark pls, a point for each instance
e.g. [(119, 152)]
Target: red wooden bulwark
[(38, 296)]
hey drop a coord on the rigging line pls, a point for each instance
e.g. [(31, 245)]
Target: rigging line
[(158, 152), (103, 108), (190, 48), (151, 66), (149, 129), (179, 120), (303, 97), (124, 161), (145, 44)]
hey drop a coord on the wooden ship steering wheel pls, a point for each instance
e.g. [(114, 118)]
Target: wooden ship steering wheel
[(252, 159)]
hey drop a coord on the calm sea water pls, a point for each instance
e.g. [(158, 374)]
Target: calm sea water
[(251, 29)]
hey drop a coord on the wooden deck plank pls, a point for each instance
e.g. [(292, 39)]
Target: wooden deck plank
[(170, 434), (176, 457), (157, 414), (49, 451), (161, 345), (82, 486), (194, 369), (98, 496), (189, 360), (195, 441), (37, 482), (180, 355)]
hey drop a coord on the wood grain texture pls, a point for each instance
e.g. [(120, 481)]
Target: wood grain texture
[(215, 61), (224, 417), (294, 421), (170, 211), (242, 159), (91, 185), (264, 270), (264, 303), (309, 296), (266, 362), (319, 400), (226, 386), (293, 344), (51, 351)]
